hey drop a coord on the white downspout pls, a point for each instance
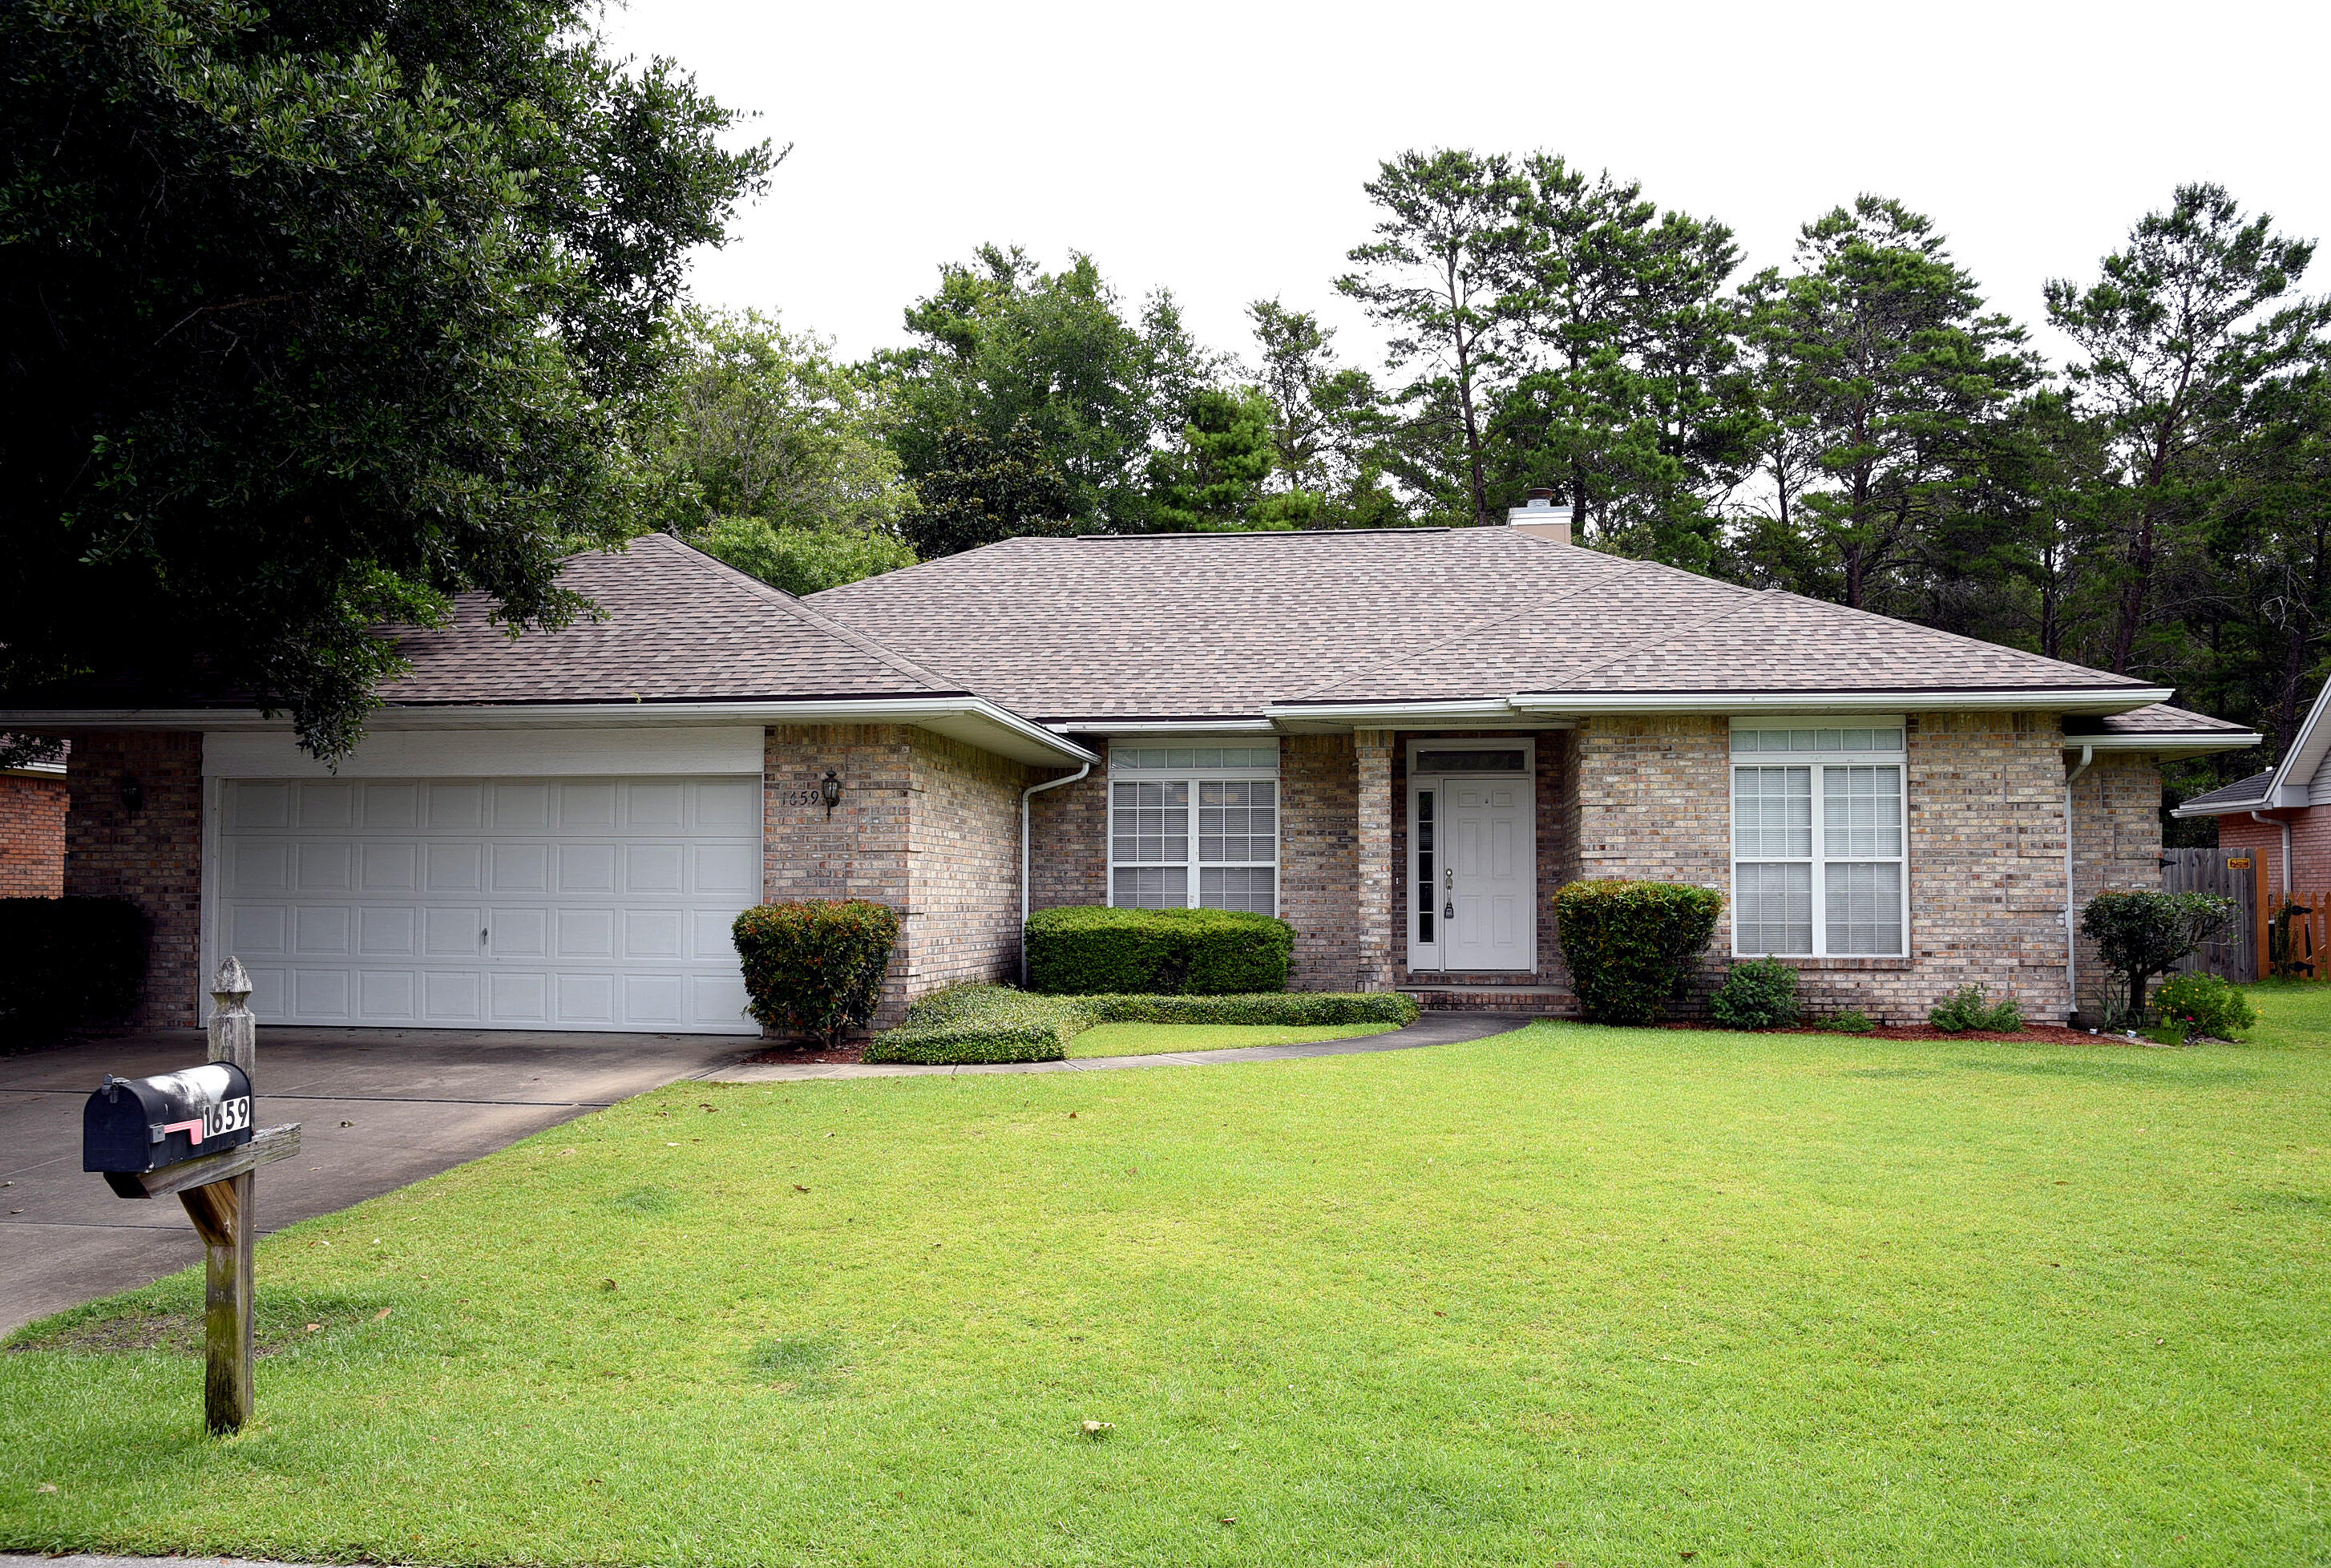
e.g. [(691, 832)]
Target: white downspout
[(2282, 872), (1024, 857), (2071, 901)]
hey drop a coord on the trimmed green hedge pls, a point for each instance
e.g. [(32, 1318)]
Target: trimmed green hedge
[(1290, 1009), (1629, 944), (1091, 950), (982, 1023), (817, 965), (69, 962)]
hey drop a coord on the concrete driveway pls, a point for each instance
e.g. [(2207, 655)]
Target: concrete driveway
[(380, 1108)]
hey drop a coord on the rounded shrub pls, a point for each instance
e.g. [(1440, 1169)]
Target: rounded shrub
[(1966, 1009), (2204, 1004), (1629, 944), (1089, 950), (815, 965), (1761, 993)]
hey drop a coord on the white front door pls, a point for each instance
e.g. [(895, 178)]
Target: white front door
[(1475, 873), (512, 903)]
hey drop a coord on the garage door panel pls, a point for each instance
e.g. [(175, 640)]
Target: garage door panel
[(322, 930), (396, 807), (389, 868), (326, 804), (730, 808), (654, 869), (391, 995), (452, 998), (586, 934), (324, 866), (521, 808), (455, 867), (731, 869), (518, 933), (586, 868), (653, 808), (263, 929), (388, 931), (563, 904)]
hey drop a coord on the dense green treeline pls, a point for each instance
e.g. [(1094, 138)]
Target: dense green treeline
[(1862, 425)]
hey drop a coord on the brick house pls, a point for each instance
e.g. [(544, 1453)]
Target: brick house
[(1401, 741), (2284, 814), (32, 830)]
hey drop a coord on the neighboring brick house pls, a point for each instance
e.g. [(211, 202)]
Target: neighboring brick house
[(2282, 816), (1402, 741), (32, 831)]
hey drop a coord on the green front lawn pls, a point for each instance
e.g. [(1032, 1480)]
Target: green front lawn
[(1567, 1295), (1143, 1039)]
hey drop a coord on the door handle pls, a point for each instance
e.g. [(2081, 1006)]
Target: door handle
[(1449, 878)]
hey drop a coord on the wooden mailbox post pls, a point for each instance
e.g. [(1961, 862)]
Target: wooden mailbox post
[(216, 1190)]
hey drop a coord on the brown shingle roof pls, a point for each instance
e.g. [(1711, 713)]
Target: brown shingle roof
[(2154, 718), (680, 626), (1222, 625)]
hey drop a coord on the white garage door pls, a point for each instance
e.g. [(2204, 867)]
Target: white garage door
[(566, 903)]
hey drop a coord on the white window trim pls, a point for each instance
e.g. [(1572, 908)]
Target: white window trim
[(1424, 957), (1818, 859), (1193, 777)]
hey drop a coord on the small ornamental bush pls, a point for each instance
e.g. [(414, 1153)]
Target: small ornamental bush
[(979, 1023), (1290, 1009), (1629, 944), (1091, 950), (2141, 934), (2204, 1004), (1853, 1021), (815, 965), (1967, 1010), (68, 962), (1761, 993)]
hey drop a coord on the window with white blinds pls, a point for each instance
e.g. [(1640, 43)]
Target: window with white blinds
[(1193, 841), (1819, 854)]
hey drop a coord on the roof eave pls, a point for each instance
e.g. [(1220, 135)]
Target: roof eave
[(2088, 700), (974, 720)]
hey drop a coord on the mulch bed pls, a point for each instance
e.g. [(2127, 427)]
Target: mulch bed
[(2031, 1034), (780, 1054)]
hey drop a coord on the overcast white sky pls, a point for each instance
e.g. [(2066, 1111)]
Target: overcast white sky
[(1219, 148)]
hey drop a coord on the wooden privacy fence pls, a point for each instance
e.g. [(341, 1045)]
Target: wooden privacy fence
[(2240, 951)]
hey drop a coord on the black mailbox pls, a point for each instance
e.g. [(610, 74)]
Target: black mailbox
[(141, 1123)]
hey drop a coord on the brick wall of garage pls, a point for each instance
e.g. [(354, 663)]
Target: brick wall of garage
[(926, 824), (963, 865), (2116, 847), (31, 835), (152, 856)]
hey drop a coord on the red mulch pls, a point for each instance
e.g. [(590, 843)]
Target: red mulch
[(2031, 1033), (779, 1054)]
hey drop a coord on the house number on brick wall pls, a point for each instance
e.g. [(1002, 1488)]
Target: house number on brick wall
[(803, 796)]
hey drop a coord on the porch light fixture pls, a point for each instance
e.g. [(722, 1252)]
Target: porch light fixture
[(829, 790)]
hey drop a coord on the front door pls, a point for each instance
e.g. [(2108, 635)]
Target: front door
[(1475, 874)]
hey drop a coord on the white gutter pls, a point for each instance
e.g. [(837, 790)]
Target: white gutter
[(2088, 700), (1027, 741), (2072, 897), (1163, 726), (2198, 742), (1026, 858), (2282, 872)]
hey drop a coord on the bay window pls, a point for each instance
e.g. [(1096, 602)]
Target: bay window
[(1819, 862), (1194, 827)]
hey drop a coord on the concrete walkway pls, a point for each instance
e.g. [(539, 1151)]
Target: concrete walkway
[(1433, 1029), (378, 1108)]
